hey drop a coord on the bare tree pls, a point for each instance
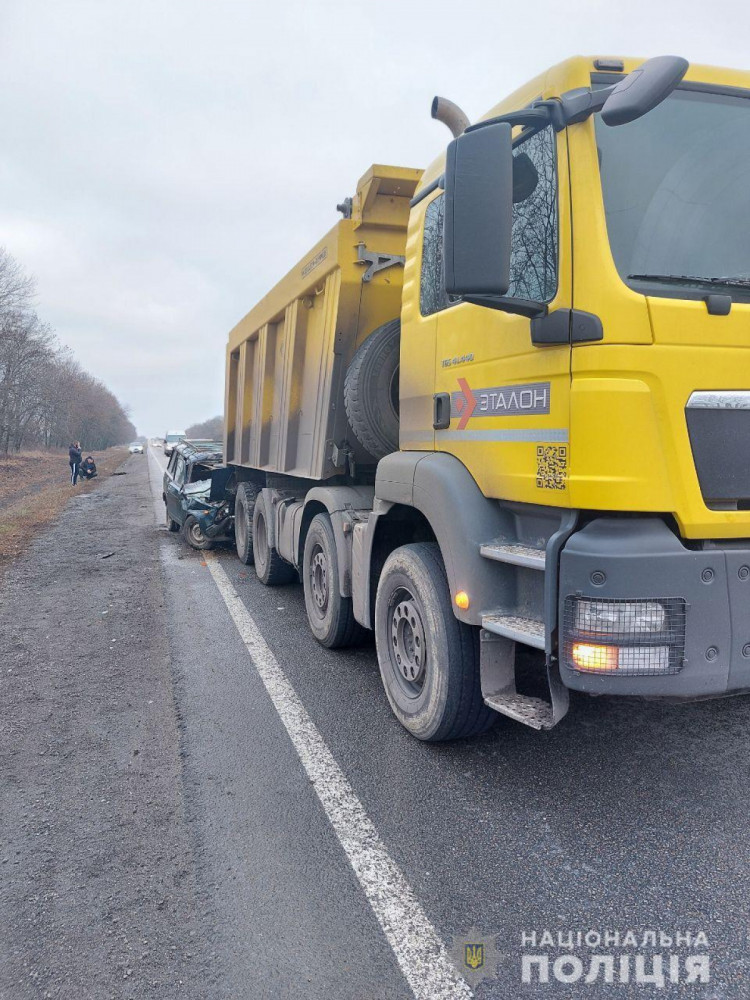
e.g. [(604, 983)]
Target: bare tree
[(25, 348), (16, 287), (208, 430), (46, 398)]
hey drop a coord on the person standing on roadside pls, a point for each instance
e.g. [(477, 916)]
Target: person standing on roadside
[(74, 453)]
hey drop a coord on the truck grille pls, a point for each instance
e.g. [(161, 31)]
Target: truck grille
[(719, 428)]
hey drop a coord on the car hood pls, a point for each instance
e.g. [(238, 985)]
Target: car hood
[(200, 489)]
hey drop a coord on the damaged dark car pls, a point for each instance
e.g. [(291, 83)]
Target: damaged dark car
[(195, 494)]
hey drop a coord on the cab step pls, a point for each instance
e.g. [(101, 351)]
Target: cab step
[(534, 712), (514, 553), (526, 630)]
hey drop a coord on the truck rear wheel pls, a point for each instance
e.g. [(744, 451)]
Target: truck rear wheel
[(371, 390), (330, 615), (271, 569), (429, 661), (244, 504)]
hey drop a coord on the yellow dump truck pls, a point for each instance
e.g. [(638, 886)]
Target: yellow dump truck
[(505, 403)]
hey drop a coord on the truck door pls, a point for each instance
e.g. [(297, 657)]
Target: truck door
[(509, 399)]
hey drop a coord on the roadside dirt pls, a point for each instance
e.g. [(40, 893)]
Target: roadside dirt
[(34, 488), (97, 894)]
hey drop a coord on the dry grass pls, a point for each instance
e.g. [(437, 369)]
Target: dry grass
[(34, 488)]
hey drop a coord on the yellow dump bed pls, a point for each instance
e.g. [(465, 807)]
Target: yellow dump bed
[(287, 358)]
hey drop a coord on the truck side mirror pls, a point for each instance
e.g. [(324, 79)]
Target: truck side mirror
[(479, 211), (643, 89)]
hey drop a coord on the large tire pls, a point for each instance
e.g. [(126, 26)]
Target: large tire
[(193, 535), (429, 661), (371, 390), (271, 569), (244, 505), (330, 615)]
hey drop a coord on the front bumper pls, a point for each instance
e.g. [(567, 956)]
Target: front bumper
[(641, 559)]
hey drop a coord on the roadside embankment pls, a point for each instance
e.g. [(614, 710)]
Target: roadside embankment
[(34, 488), (96, 868)]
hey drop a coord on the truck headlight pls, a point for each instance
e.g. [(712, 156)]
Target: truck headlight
[(623, 617), (624, 636)]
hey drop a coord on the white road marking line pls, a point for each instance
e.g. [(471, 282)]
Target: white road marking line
[(419, 951), (155, 481)]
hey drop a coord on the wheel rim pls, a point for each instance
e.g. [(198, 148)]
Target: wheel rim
[(407, 647), (319, 580), (196, 534)]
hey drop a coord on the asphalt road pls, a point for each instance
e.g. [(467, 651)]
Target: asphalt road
[(254, 872)]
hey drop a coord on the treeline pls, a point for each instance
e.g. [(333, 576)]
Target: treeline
[(46, 399), (209, 430)]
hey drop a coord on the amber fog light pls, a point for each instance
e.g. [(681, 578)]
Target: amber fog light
[(588, 657), (623, 659)]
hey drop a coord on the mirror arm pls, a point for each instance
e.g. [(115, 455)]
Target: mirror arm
[(520, 307), (537, 116), (578, 105), (437, 185), (533, 117)]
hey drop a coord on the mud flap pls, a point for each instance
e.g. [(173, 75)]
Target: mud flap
[(559, 694)]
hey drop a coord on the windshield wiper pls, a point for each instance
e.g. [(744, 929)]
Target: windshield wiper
[(692, 279)]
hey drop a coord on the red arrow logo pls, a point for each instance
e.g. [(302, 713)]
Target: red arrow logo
[(467, 405)]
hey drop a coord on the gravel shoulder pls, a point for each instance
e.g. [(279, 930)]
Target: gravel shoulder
[(34, 489), (97, 895)]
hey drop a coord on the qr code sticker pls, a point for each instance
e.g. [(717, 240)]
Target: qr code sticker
[(551, 466)]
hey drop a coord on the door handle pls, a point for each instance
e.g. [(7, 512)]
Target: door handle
[(441, 411)]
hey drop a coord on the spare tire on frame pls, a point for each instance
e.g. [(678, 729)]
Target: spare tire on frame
[(371, 390)]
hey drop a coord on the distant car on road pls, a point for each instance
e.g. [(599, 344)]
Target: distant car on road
[(172, 438), (195, 495), (136, 448)]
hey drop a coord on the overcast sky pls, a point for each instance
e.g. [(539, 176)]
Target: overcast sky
[(163, 164)]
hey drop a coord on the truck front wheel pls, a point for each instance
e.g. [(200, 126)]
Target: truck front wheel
[(271, 569), (429, 661), (330, 615)]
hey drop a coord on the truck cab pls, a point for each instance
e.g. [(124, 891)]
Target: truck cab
[(604, 389)]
